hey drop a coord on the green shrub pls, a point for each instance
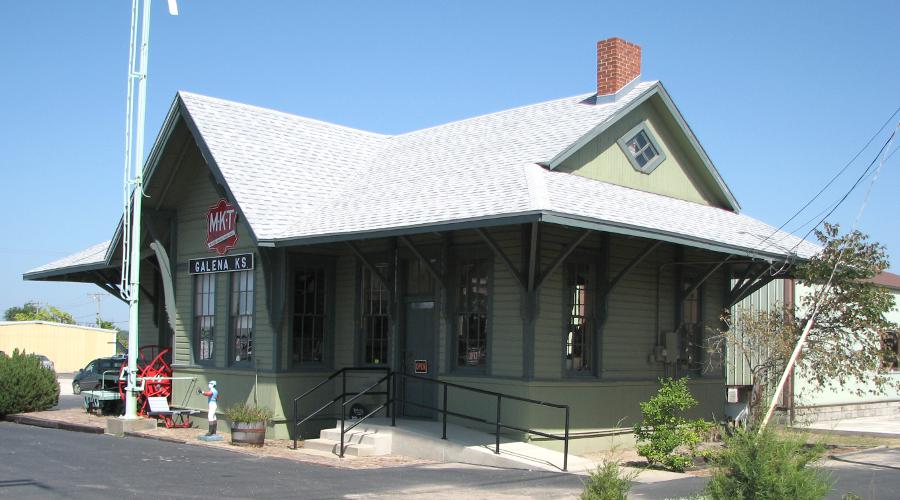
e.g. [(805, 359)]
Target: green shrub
[(245, 413), (25, 385), (608, 482), (664, 436), (764, 465)]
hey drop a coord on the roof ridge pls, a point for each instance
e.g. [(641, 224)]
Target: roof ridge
[(285, 113), (499, 111)]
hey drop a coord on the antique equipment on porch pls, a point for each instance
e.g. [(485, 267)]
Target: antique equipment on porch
[(155, 373)]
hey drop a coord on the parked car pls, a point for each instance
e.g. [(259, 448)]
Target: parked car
[(101, 373), (45, 361)]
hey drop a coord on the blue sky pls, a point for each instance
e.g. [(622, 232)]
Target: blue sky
[(781, 96)]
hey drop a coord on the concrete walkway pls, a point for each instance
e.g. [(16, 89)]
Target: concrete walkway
[(421, 439), (884, 426)]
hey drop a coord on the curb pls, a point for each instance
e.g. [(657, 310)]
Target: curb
[(836, 432), (156, 438), (87, 429), (858, 452), (53, 424)]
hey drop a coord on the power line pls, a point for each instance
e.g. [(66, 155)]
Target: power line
[(830, 182), (842, 170), (858, 181)]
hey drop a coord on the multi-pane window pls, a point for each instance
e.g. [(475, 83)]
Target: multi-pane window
[(472, 312), (641, 149), (579, 333), (308, 328), (242, 315), (375, 321), (205, 315), (890, 349)]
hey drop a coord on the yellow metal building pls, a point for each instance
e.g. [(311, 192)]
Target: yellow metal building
[(70, 347)]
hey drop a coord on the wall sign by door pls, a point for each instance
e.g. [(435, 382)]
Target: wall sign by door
[(421, 366), (221, 227)]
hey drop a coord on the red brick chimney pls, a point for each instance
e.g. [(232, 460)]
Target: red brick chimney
[(618, 63)]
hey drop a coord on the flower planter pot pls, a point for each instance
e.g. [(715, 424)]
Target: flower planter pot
[(248, 433)]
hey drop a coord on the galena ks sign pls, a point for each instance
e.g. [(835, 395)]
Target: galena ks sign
[(221, 227)]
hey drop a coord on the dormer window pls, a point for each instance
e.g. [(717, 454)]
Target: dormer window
[(642, 149)]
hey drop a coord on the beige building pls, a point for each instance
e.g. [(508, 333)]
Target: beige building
[(70, 347)]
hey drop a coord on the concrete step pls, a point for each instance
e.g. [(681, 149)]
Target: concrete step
[(381, 441), (331, 446)]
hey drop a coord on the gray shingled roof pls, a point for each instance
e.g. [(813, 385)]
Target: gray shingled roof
[(298, 179), (89, 258), (279, 166)]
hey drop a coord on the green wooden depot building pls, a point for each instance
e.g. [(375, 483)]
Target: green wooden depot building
[(570, 251)]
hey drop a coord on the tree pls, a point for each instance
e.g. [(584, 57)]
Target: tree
[(844, 345), (35, 312), (107, 325), (121, 335)]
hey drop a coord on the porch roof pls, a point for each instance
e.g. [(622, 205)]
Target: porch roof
[(90, 259)]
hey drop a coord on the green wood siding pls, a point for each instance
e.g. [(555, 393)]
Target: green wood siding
[(506, 332), (631, 328), (767, 298), (681, 175), (192, 194), (551, 322)]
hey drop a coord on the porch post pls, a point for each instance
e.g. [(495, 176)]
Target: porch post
[(529, 305)]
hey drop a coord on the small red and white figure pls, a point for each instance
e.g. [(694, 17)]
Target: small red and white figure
[(212, 396)]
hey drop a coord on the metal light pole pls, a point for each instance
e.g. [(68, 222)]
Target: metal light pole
[(133, 187)]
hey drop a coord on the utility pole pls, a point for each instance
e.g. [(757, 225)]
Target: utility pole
[(139, 50), (97, 297)]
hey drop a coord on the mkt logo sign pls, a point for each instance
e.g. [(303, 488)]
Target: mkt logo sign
[(221, 227)]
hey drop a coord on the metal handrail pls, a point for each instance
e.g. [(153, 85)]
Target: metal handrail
[(361, 393), (392, 399), (343, 373), (497, 423)]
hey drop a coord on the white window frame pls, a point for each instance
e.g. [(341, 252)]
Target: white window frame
[(651, 137), (241, 313), (204, 316)]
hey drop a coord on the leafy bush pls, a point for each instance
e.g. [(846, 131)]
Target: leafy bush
[(243, 412), (25, 385), (608, 482), (664, 436), (764, 465)]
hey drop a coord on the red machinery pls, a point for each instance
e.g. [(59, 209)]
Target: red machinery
[(154, 366)]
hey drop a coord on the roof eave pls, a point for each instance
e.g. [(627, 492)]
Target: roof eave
[(475, 222), (547, 216), (681, 239), (49, 274)]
